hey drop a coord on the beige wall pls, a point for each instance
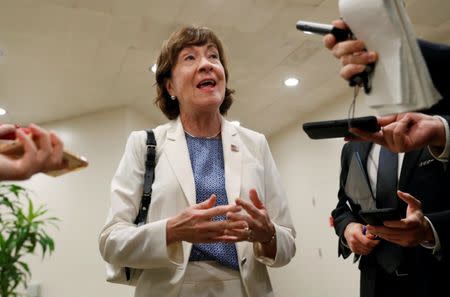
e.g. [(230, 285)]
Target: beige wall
[(81, 200), (310, 170)]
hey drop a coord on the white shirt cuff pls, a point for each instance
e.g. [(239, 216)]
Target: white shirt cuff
[(436, 247), (444, 155)]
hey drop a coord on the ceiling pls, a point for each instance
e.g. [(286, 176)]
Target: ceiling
[(64, 58)]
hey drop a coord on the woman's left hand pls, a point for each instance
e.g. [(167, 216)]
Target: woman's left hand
[(260, 228)]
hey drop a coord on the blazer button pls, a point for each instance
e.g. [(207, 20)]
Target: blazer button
[(243, 260)]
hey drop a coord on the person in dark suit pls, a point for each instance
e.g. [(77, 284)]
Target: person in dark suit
[(408, 257), (426, 224)]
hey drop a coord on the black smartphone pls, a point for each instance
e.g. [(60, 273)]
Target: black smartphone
[(376, 217), (339, 128)]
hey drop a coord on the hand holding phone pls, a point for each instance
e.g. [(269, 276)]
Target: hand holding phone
[(376, 217), (339, 128), (13, 149)]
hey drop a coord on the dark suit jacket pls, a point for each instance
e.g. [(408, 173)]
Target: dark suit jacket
[(437, 58), (427, 181)]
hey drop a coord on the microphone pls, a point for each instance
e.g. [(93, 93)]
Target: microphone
[(323, 29), (361, 79)]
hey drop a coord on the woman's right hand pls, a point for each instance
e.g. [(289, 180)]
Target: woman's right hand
[(195, 224)]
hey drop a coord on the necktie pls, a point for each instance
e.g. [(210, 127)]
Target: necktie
[(389, 256), (386, 192)]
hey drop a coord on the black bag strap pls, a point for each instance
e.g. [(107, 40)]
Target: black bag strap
[(149, 177)]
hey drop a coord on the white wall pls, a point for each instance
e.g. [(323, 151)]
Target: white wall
[(310, 171), (81, 200)]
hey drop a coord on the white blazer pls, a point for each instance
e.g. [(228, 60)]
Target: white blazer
[(248, 164)]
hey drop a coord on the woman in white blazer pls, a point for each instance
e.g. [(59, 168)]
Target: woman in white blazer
[(218, 214)]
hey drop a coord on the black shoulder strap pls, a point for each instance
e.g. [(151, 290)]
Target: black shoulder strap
[(149, 177)]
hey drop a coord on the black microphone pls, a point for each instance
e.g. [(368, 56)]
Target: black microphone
[(323, 29)]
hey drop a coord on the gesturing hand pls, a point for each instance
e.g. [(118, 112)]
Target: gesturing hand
[(195, 224), (358, 242), (410, 231), (260, 228)]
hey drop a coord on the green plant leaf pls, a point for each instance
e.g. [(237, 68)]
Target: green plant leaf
[(22, 229)]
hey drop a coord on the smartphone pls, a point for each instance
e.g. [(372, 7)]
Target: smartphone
[(339, 128), (376, 217), (14, 149)]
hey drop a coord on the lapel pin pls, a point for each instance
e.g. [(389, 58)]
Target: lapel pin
[(234, 148), (424, 163)]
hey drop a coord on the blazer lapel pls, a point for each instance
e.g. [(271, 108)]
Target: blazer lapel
[(409, 163), (177, 153), (232, 154), (364, 150)]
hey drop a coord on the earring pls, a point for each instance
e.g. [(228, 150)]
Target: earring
[(173, 97)]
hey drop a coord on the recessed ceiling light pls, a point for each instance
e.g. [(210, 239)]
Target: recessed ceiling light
[(291, 82), (2, 111), (153, 68)]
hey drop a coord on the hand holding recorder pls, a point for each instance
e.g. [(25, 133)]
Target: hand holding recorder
[(358, 63), (355, 59)]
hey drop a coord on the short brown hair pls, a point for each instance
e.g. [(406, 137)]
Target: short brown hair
[(178, 40)]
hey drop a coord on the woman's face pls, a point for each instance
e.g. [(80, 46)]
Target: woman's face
[(198, 79)]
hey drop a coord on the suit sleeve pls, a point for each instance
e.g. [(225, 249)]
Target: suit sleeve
[(441, 223), (121, 242), (342, 214), (277, 206), (441, 219), (446, 153)]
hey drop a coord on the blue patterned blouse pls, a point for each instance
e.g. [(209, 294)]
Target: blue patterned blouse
[(206, 156)]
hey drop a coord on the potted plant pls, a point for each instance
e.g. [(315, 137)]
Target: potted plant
[(22, 230)]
